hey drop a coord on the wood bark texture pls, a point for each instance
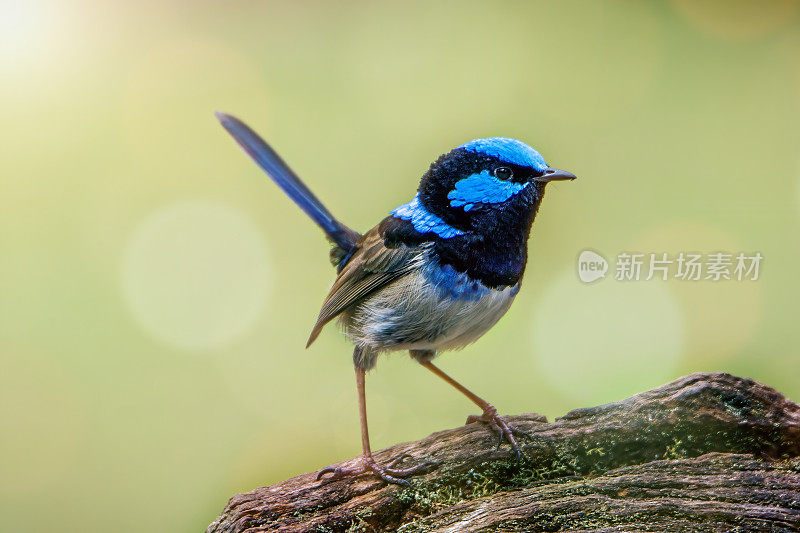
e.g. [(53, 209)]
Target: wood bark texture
[(706, 452)]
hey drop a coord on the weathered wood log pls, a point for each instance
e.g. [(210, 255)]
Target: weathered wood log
[(707, 452)]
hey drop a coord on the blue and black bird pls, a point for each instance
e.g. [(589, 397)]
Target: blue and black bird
[(434, 275)]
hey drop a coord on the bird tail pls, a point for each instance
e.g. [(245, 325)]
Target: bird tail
[(343, 238)]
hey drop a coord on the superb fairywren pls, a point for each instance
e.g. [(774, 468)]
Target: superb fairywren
[(435, 274)]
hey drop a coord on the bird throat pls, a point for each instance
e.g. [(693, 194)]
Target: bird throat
[(493, 251)]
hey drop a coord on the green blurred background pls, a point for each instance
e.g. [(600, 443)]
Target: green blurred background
[(157, 291)]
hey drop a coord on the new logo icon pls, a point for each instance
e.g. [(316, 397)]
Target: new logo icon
[(591, 266)]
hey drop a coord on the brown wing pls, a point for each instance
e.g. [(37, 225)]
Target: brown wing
[(371, 267)]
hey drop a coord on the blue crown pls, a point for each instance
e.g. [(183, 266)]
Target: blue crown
[(508, 150)]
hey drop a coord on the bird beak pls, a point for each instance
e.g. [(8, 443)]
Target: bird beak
[(553, 174)]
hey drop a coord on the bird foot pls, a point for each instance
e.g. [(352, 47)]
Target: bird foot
[(367, 465), (496, 422)]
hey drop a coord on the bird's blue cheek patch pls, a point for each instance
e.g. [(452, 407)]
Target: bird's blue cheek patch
[(423, 221), (483, 188)]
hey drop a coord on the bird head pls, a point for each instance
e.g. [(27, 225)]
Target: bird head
[(487, 182)]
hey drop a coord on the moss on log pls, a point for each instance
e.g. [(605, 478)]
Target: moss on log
[(706, 452)]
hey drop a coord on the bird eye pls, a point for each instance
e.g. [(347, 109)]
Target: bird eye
[(503, 173)]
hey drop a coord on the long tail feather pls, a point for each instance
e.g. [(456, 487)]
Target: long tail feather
[(271, 163)]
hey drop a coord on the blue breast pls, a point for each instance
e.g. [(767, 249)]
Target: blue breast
[(452, 284)]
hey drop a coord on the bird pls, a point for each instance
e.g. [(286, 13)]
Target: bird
[(434, 275)]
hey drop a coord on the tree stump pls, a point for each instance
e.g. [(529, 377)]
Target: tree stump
[(706, 452)]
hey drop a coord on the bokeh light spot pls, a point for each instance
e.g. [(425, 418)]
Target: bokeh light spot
[(600, 342), (196, 275)]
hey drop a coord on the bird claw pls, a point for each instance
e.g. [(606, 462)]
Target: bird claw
[(497, 424), (397, 460), (367, 465), (515, 430)]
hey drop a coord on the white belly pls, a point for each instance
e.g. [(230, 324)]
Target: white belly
[(411, 314)]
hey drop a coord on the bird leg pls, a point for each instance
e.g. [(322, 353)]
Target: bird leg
[(367, 464), (489, 416)]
